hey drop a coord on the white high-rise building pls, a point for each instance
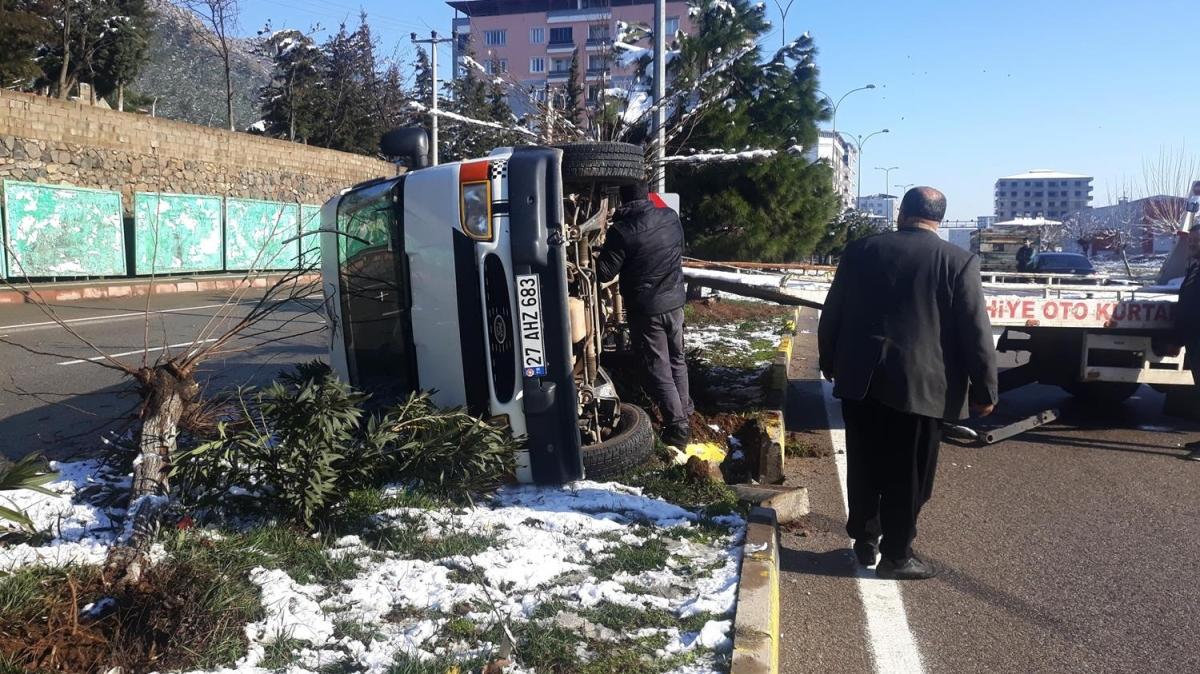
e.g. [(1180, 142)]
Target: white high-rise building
[(1042, 193), (843, 157), (883, 206)]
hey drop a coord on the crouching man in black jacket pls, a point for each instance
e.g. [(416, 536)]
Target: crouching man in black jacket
[(644, 246)]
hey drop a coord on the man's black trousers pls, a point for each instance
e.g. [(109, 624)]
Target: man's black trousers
[(658, 341), (891, 458)]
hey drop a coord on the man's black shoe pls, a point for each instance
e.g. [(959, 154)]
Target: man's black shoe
[(675, 438), (866, 552), (904, 569)]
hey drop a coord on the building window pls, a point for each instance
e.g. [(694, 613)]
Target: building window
[(496, 66), (1078, 193), (561, 36), (672, 27), (598, 32), (560, 65), (597, 63), (537, 35), (593, 93), (538, 94), (495, 38), (537, 64)]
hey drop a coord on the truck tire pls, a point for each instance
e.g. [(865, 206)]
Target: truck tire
[(630, 445), (1105, 393), (607, 163)]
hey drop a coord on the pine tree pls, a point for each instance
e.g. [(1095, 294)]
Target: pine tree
[(423, 78), (778, 210), (572, 107), (22, 30), (476, 99), (350, 121), (292, 102), (124, 49)]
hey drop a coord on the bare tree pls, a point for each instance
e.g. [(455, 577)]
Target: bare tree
[(221, 19), (1166, 180), (166, 385)]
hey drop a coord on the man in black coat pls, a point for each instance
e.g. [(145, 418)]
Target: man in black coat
[(1187, 321), (906, 339), (1024, 255), (644, 246)]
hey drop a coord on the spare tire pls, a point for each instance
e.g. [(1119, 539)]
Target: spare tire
[(609, 163), (630, 445)]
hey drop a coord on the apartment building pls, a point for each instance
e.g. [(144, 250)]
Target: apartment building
[(886, 207), (842, 156), (1042, 193), (533, 41)]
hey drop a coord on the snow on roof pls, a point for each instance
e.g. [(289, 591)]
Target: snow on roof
[(1029, 222), (1045, 174)]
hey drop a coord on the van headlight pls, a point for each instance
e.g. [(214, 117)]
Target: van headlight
[(477, 210)]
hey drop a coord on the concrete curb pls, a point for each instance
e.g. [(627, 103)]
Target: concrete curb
[(136, 287), (756, 623)]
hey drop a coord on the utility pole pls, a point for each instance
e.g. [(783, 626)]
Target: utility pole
[(659, 184), (433, 43), (835, 157), (862, 140), (887, 189)]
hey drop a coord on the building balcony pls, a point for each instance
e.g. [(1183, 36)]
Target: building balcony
[(558, 75), (560, 47), (598, 42)]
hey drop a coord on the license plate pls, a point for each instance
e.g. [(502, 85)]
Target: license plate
[(529, 312)]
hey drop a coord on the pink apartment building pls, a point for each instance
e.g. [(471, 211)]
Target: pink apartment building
[(533, 40)]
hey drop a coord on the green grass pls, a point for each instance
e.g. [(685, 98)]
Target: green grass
[(356, 631), (412, 542), (280, 653), (20, 592), (632, 559), (670, 483)]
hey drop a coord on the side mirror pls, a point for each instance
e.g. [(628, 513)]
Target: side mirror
[(409, 144)]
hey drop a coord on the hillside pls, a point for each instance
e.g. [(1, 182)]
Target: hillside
[(188, 81)]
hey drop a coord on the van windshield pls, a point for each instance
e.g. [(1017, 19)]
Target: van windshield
[(376, 319)]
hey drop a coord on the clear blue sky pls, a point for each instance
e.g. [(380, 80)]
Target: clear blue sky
[(971, 90)]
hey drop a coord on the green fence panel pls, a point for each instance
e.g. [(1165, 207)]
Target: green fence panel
[(310, 244), (261, 234), (54, 230), (176, 233)]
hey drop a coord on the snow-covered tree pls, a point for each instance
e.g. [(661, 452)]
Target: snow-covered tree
[(476, 98), (292, 104), (725, 96)]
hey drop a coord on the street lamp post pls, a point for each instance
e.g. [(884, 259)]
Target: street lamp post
[(834, 154), (433, 43), (901, 188), (887, 186), (860, 141)]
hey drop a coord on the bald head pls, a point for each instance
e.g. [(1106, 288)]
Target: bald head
[(922, 207)]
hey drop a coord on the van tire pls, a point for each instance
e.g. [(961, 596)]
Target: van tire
[(630, 445), (607, 163)]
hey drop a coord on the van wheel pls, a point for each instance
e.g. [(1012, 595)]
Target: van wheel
[(630, 445), (1107, 393), (609, 163)]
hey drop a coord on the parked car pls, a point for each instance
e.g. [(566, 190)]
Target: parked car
[(476, 280), (1061, 263)]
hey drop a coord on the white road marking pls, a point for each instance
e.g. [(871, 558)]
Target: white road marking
[(893, 646), (132, 314), (130, 353)]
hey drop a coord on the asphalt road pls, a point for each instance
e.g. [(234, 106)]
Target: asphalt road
[(1071, 548), (62, 403)]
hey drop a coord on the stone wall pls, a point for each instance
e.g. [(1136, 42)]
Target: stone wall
[(46, 140)]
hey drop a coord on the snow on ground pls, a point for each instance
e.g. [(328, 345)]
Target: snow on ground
[(541, 545), (81, 531)]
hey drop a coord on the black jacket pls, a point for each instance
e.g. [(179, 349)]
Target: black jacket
[(905, 323), (644, 246), (1187, 310)]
